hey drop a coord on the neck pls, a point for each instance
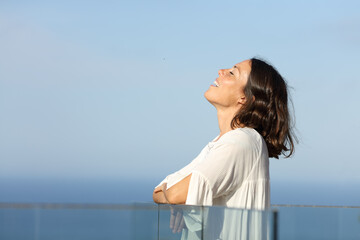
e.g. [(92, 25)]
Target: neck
[(224, 119)]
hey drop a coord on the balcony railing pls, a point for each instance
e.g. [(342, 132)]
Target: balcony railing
[(152, 221)]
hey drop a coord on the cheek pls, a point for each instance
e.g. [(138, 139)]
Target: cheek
[(230, 95), (235, 90)]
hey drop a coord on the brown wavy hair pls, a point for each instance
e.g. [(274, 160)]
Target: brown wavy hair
[(266, 109)]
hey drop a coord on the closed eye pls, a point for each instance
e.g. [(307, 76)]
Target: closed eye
[(231, 73)]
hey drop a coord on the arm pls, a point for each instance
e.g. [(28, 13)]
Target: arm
[(176, 194)]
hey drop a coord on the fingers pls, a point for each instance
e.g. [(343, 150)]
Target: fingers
[(158, 189), (178, 221), (182, 224), (172, 218)]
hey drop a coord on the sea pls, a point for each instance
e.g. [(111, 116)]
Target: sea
[(124, 191)]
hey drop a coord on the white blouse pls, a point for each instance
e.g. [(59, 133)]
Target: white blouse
[(232, 171)]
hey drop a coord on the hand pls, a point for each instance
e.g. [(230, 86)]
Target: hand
[(159, 195), (176, 219), (159, 188)]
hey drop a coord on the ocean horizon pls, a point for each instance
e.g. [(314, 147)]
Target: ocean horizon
[(125, 191)]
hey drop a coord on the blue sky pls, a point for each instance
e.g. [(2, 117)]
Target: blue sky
[(114, 90)]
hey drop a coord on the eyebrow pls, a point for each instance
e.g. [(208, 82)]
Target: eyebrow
[(237, 68)]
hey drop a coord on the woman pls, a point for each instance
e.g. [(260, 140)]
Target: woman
[(251, 100)]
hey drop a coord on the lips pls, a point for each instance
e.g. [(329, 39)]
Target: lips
[(215, 84)]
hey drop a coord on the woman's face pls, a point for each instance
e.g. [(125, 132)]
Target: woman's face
[(228, 89)]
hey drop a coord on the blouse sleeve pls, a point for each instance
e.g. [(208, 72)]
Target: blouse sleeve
[(177, 176), (223, 170), (199, 192)]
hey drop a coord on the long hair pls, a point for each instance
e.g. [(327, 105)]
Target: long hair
[(266, 109)]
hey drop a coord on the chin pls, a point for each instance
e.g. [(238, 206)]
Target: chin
[(208, 96)]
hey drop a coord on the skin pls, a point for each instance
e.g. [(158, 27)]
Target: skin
[(228, 98)]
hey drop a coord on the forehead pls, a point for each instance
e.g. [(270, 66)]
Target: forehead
[(244, 66)]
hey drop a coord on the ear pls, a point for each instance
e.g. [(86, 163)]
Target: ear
[(242, 100)]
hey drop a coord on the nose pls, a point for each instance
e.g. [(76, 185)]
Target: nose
[(221, 72)]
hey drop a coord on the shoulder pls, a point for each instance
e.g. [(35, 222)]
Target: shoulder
[(243, 138)]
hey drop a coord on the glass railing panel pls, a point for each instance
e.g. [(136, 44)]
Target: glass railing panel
[(18, 223), (238, 224), (145, 221), (180, 222), (84, 224), (56, 221), (349, 223), (212, 223), (328, 223), (152, 221)]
